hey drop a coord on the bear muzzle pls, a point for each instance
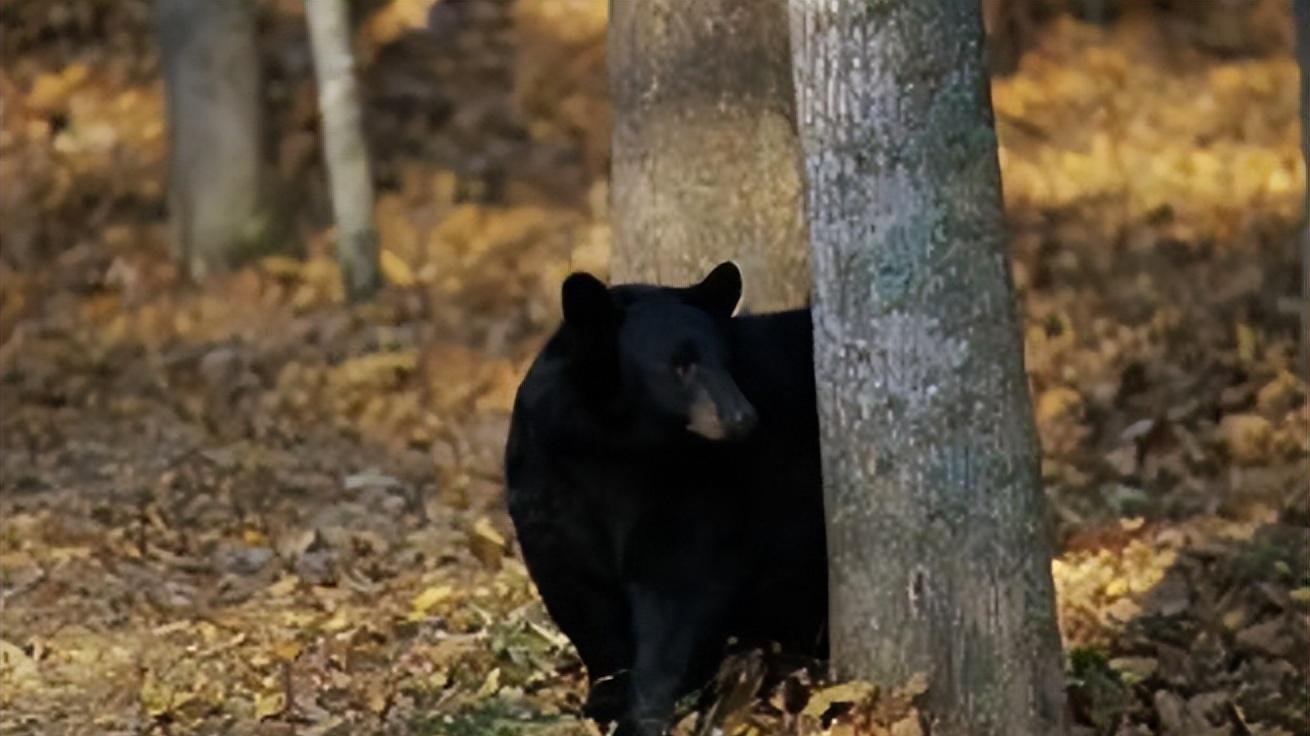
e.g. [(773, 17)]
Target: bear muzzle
[(719, 411)]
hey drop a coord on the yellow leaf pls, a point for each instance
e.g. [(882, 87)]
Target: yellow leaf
[(270, 704), (1116, 588), (16, 666), (282, 267), (377, 699), (847, 692), (287, 651), (428, 599), (156, 695), (338, 622), (483, 528), (1057, 402), (395, 270), (491, 685), (283, 587), (1246, 343)]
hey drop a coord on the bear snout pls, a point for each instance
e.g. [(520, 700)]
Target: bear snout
[(742, 420), (719, 411)]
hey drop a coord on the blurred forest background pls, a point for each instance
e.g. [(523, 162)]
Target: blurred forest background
[(246, 507)]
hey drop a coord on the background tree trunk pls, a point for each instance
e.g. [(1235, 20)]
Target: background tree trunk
[(1010, 27), (706, 163), (212, 86), (1301, 10), (343, 146), (938, 543)]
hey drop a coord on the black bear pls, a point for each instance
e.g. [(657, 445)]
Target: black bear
[(663, 478)]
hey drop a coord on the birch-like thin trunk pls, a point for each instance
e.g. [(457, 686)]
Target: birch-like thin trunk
[(706, 163), (939, 555), (343, 146), (212, 91)]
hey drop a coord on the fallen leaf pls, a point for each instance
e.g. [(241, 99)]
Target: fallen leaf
[(270, 704), (395, 270), (846, 692), (16, 666), (1135, 669), (1246, 437), (1269, 637), (491, 685), (285, 586), (430, 597), (1278, 395), (370, 479), (1057, 402)]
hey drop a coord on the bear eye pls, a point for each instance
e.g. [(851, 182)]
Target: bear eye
[(684, 360)]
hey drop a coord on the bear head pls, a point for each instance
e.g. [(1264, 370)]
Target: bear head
[(659, 355)]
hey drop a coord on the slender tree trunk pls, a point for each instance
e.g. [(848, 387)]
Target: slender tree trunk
[(938, 543), (343, 146), (1301, 9), (1009, 30), (212, 88), (1095, 11), (706, 163)]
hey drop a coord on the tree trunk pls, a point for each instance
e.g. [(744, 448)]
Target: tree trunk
[(1008, 25), (343, 146), (706, 163), (212, 88), (1301, 9), (938, 544)]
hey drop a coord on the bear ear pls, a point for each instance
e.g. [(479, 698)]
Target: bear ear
[(719, 292), (587, 301)]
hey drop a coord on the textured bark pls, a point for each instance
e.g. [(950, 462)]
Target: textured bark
[(706, 163), (939, 551), (348, 167), (212, 87)]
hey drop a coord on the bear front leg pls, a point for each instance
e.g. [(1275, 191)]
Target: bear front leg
[(679, 641), (596, 619)]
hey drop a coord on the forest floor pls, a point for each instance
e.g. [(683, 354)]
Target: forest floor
[(249, 509)]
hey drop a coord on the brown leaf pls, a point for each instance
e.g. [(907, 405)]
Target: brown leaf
[(1246, 437), (1270, 637)]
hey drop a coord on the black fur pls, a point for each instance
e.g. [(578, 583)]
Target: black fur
[(650, 544)]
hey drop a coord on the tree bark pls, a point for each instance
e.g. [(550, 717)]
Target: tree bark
[(939, 550), (344, 149), (212, 91), (706, 163)]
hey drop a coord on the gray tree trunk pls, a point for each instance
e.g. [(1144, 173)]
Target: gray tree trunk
[(938, 542), (346, 155), (706, 163), (1301, 9), (212, 90)]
